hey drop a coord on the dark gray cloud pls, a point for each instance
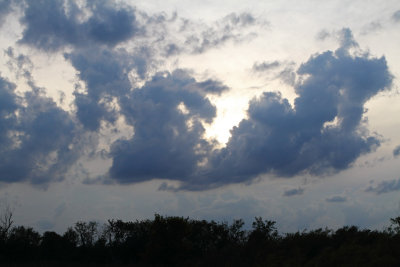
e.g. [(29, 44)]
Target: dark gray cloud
[(37, 138), (335, 199), (293, 192), (105, 73), (385, 187), (168, 143), (396, 16), (287, 141), (396, 151), (53, 24)]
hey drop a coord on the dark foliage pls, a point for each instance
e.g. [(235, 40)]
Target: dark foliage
[(178, 241)]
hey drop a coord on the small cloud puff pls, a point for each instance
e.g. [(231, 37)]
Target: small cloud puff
[(293, 192)]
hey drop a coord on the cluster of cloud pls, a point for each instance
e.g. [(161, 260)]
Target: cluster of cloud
[(322, 133)]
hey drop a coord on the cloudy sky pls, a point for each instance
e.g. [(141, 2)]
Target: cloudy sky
[(209, 109)]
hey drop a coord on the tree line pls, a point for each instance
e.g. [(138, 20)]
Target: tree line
[(179, 241)]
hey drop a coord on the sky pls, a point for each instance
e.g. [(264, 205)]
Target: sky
[(215, 110)]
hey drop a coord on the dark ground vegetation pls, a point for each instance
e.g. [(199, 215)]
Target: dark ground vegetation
[(178, 241)]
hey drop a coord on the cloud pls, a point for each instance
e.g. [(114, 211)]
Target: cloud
[(396, 151), (105, 73), (322, 35), (53, 24), (385, 187), (265, 66), (372, 27), (199, 37), (167, 114), (37, 139), (293, 192), (223, 31), (335, 199), (396, 16), (282, 70), (322, 134)]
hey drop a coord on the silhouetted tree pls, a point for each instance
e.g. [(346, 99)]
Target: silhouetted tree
[(6, 220), (23, 243), (71, 237), (54, 246), (87, 232), (179, 241), (395, 225)]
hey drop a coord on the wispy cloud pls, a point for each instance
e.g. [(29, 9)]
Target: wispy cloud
[(396, 16), (336, 199), (293, 192), (385, 187)]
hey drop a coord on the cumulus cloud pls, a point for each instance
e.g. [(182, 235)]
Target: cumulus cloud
[(53, 24), (293, 192), (105, 73), (396, 151), (336, 199), (167, 114), (37, 138), (385, 187), (323, 133)]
